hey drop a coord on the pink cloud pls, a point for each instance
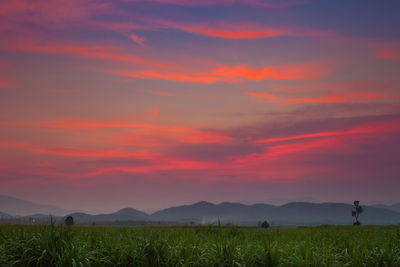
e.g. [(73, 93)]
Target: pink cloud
[(235, 74), (387, 54), (255, 3), (6, 82), (139, 40), (331, 98)]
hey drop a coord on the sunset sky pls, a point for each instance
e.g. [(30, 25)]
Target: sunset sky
[(149, 104)]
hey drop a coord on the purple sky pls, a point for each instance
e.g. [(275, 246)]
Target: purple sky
[(148, 104)]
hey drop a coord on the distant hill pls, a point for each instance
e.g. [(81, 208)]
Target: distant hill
[(394, 207), (4, 215), (127, 214), (296, 213), (206, 212), (18, 207)]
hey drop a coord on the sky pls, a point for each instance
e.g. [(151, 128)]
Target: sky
[(151, 104)]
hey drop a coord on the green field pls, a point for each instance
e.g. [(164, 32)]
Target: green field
[(199, 246)]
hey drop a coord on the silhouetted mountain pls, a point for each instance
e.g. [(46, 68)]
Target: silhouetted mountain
[(394, 207), (330, 213), (207, 212), (14, 206), (127, 214), (294, 213), (4, 215), (299, 213), (131, 213)]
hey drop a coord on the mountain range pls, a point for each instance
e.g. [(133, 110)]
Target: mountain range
[(394, 207), (17, 207), (294, 213)]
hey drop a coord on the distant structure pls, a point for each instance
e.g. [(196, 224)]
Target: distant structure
[(265, 225), (356, 212), (69, 221)]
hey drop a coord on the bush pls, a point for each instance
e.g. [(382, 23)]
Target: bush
[(265, 224)]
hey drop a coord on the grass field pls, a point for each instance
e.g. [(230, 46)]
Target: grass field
[(199, 246)]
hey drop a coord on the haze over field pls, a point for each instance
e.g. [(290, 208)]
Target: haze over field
[(14, 210), (159, 103)]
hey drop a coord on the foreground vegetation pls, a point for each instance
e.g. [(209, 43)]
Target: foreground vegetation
[(198, 246)]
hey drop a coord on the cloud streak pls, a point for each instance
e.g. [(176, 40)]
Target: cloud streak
[(235, 74), (331, 98)]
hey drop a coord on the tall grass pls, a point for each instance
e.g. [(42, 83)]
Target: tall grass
[(202, 246)]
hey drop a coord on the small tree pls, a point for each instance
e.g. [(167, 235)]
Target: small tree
[(265, 225), (69, 221), (357, 210)]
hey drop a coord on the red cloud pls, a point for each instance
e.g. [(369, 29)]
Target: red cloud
[(233, 33), (268, 164), (341, 98), (235, 74), (227, 29), (389, 54), (157, 69), (74, 124), (75, 152), (256, 3), (332, 98), (6, 83), (372, 128), (91, 51)]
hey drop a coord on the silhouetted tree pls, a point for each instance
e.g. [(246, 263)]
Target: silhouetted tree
[(265, 224), (69, 221), (356, 212)]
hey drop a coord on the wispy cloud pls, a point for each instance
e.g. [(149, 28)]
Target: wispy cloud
[(330, 98), (256, 3), (139, 40), (235, 74)]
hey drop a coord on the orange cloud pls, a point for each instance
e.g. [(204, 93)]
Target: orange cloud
[(235, 74), (156, 69)]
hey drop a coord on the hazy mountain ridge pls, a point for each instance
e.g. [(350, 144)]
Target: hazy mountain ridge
[(300, 213), (204, 211), (290, 213), (393, 207), (126, 214), (4, 215), (17, 207)]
